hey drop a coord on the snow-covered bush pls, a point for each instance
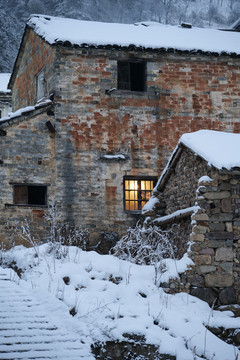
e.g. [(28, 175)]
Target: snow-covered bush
[(146, 244)]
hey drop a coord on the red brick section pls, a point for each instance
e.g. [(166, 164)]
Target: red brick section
[(195, 93), (37, 54)]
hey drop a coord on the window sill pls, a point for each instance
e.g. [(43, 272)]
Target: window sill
[(133, 212), (26, 206), (150, 94)]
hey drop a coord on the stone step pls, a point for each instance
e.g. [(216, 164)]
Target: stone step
[(27, 333)]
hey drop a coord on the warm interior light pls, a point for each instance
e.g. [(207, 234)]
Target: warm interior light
[(137, 193), (133, 185)]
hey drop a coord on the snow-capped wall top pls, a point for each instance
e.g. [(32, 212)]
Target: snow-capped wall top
[(4, 79), (219, 149), (144, 34)]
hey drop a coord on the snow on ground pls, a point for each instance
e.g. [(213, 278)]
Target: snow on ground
[(146, 34), (113, 297), (4, 79)]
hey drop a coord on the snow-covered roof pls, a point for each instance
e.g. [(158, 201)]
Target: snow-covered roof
[(219, 149), (145, 34), (235, 25), (4, 79), (26, 110)]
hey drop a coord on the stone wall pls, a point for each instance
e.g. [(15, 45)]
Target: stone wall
[(27, 157), (216, 234), (180, 189), (216, 242)]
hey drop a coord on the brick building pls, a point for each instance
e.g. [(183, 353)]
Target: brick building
[(120, 97), (200, 190)]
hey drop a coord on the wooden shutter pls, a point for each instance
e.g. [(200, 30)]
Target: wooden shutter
[(124, 75), (20, 194)]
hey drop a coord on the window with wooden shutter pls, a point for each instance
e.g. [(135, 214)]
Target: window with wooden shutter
[(29, 194)]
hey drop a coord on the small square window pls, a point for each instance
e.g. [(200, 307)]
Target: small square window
[(30, 194), (131, 75), (137, 191)]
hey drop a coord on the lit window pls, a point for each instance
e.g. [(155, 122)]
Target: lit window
[(30, 194), (137, 192), (131, 76)]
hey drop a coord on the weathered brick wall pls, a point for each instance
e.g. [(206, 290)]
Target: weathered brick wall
[(35, 55), (143, 126), (27, 156), (185, 92)]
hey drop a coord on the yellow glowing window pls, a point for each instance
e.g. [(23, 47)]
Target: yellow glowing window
[(137, 192)]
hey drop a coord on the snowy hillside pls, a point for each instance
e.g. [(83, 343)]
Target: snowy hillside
[(201, 13), (109, 297)]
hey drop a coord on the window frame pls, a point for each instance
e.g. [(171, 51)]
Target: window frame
[(128, 78), (27, 202), (139, 190)]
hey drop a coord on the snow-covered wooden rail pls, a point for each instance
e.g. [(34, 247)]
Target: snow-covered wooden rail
[(27, 333)]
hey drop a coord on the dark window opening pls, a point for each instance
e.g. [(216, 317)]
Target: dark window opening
[(131, 76), (30, 195), (137, 192)]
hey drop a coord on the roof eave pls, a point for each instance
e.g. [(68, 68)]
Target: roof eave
[(25, 115)]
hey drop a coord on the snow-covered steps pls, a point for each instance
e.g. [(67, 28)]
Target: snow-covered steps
[(26, 332)]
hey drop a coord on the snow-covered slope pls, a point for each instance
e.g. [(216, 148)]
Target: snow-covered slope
[(112, 297)]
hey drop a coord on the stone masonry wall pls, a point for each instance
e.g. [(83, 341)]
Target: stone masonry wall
[(180, 190), (217, 235), (215, 277), (27, 156)]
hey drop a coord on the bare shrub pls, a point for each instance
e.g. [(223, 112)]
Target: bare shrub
[(148, 245), (63, 234), (23, 231)]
